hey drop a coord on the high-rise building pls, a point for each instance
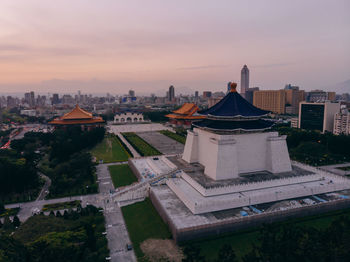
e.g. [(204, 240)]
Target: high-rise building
[(270, 100), (342, 122), (55, 99), (290, 87), (320, 96), (171, 93), (293, 97), (318, 116), (132, 93), (10, 102), (32, 99), (206, 94), (249, 94), (196, 94), (244, 80)]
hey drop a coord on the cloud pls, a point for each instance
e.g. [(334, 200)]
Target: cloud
[(273, 65), (202, 67)]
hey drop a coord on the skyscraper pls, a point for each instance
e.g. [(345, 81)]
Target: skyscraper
[(131, 93), (244, 80), (171, 93)]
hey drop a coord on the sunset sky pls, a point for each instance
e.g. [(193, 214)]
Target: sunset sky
[(112, 46)]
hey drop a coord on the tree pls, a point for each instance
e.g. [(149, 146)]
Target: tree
[(12, 250), (2, 208), (16, 222), (7, 226), (226, 254), (192, 254)]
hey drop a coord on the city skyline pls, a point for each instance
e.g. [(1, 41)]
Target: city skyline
[(121, 46)]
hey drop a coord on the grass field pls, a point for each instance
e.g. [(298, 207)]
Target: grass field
[(176, 137), (110, 150), (140, 145), (143, 222), (242, 241), (121, 175)]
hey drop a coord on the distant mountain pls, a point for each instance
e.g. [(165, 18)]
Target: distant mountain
[(341, 88)]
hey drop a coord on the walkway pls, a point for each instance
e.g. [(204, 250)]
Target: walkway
[(132, 150), (117, 234), (162, 143)]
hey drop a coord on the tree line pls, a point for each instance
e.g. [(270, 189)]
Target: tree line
[(289, 243)]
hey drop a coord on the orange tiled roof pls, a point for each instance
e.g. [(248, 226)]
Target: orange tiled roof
[(186, 112), (58, 121), (187, 109), (76, 116), (185, 117), (77, 113)]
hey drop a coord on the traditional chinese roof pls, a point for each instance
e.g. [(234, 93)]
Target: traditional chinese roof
[(75, 117), (186, 111), (233, 106), (228, 126), (233, 113)]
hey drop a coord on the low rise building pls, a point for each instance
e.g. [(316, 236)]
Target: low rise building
[(128, 117), (342, 122)]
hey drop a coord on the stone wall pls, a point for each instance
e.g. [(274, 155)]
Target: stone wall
[(234, 224), (249, 186)]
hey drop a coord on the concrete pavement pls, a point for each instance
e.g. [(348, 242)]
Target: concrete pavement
[(132, 150), (117, 233)]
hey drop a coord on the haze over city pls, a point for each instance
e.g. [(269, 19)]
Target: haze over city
[(65, 46)]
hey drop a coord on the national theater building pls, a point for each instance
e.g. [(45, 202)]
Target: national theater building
[(78, 117), (185, 115)]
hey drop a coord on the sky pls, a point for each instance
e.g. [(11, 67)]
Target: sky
[(112, 46)]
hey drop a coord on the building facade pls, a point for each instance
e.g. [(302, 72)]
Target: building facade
[(317, 116), (270, 100), (171, 94), (128, 117), (342, 122), (320, 96), (78, 117), (244, 80)]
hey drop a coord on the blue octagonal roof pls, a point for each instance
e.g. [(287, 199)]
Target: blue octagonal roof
[(233, 105)]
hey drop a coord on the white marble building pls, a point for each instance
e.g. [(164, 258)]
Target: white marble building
[(128, 117), (232, 159)]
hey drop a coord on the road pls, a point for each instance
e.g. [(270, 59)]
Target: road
[(45, 190)]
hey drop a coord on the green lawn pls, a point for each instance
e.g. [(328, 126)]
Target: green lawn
[(143, 222), (179, 138), (121, 175), (110, 150), (242, 241), (141, 145)]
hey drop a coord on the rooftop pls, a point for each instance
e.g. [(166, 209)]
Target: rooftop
[(233, 106), (186, 111), (75, 117)]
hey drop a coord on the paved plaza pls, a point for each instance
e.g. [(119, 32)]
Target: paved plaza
[(162, 143), (136, 128)]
